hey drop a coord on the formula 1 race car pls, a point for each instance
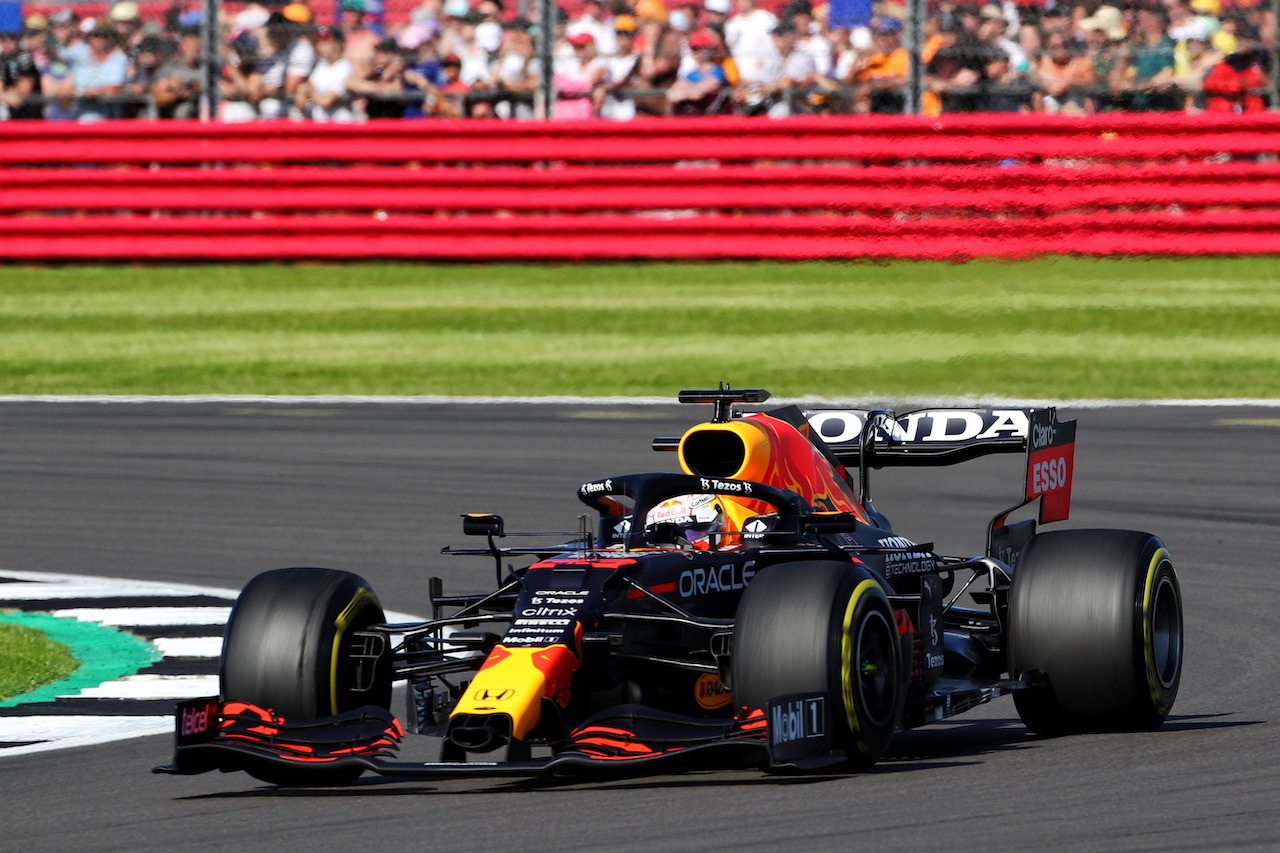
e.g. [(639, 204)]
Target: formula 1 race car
[(755, 610)]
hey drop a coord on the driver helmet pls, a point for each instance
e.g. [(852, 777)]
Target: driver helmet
[(697, 517)]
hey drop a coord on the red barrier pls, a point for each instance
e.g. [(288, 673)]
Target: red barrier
[(988, 137), (872, 190), (957, 187), (615, 238)]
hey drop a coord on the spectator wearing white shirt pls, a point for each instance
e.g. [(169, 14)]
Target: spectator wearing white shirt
[(477, 63), (749, 36), (323, 95), (517, 70), (593, 22), (98, 68), (809, 37), (797, 69), (301, 62), (489, 30), (623, 72)]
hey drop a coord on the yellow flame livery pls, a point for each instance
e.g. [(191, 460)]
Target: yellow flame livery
[(770, 451), (514, 680)]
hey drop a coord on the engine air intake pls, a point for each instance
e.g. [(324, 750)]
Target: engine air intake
[(715, 453)]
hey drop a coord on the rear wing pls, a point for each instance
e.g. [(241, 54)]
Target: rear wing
[(923, 437), (948, 436)]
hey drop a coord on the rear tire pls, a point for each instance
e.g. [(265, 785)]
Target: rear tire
[(1098, 614), (287, 648), (814, 627)]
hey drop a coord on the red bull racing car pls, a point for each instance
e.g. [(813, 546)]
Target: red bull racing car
[(752, 610)]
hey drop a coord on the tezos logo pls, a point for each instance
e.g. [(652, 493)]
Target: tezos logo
[(712, 484)]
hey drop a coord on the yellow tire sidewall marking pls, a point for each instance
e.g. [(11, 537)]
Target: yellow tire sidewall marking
[(1148, 643), (362, 597), (847, 676)]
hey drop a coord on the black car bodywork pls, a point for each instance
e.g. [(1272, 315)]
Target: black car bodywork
[(797, 631)]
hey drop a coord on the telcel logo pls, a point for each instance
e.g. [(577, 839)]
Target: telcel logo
[(195, 721)]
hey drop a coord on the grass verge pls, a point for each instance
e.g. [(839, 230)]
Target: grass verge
[(29, 659), (1055, 327)]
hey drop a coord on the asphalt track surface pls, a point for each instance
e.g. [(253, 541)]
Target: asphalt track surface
[(210, 494)]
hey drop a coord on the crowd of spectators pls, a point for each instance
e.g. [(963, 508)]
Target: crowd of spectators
[(622, 58)]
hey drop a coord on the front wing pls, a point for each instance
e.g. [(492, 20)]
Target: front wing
[(626, 740)]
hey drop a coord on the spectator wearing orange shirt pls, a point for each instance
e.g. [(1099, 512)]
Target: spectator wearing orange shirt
[(881, 77)]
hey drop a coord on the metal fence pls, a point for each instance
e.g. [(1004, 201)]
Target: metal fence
[(927, 88)]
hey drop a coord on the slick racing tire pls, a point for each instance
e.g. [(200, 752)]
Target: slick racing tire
[(822, 627), (290, 647), (1096, 618)]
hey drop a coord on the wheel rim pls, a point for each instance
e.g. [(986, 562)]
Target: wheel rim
[(875, 669), (1166, 632)]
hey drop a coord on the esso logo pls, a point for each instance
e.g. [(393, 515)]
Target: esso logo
[(1049, 475)]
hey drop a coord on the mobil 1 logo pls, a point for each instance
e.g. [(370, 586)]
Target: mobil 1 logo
[(799, 725)]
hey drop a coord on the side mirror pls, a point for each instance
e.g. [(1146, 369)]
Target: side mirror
[(481, 524)]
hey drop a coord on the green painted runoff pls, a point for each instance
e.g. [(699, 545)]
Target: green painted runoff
[(103, 654)]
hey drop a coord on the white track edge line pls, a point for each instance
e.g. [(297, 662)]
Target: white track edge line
[(133, 587), (147, 726)]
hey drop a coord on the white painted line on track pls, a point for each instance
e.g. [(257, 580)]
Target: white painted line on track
[(43, 586), (189, 647), (154, 687), (140, 617), (54, 592), (64, 731)]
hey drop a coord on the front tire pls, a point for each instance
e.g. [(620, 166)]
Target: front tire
[(290, 647), (822, 627), (1098, 615)]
